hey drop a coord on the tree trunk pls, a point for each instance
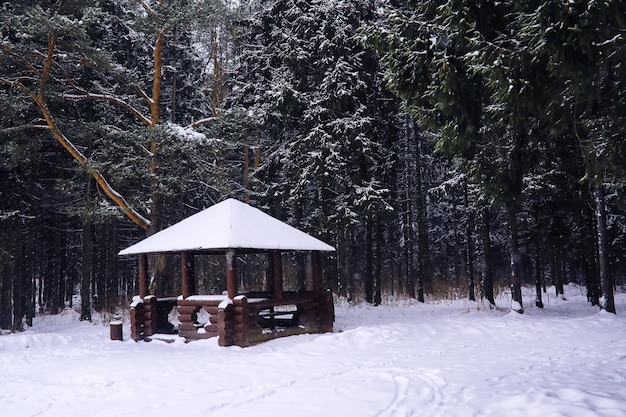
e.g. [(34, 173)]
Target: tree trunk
[(55, 281), (85, 284), (377, 276), (6, 312), (469, 251), (516, 285), (558, 272), (408, 248), (513, 207), (607, 301), (300, 260), (369, 270), (18, 282), (113, 283), (487, 278), (423, 266), (29, 273), (539, 274)]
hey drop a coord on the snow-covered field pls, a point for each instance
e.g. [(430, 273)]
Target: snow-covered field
[(452, 358)]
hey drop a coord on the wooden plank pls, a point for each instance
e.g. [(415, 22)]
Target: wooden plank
[(187, 317), (211, 309), (187, 309), (201, 302), (187, 326), (212, 328)]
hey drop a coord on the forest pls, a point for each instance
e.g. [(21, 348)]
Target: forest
[(445, 148)]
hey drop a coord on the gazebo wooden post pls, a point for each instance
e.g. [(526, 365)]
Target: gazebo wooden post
[(231, 274), (187, 272), (277, 274), (316, 268), (143, 275)]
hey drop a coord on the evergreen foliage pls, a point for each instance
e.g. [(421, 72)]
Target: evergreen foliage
[(428, 141)]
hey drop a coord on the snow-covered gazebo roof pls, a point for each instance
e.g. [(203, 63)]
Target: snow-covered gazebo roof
[(230, 224)]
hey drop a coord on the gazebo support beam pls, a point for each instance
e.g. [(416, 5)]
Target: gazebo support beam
[(143, 275), (231, 274), (277, 273), (188, 275), (316, 268)]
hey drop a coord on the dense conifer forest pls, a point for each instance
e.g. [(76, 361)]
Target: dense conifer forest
[(445, 148)]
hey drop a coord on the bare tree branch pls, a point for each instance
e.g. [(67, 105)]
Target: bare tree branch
[(147, 7), (111, 99), (39, 100), (9, 130), (201, 122)]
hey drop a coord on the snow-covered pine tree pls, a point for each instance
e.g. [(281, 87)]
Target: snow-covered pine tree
[(581, 46), (424, 46), (323, 117)]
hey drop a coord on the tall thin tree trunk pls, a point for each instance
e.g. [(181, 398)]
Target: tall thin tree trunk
[(113, 283), (377, 276), (55, 282), (607, 301), (469, 251), (29, 273), (516, 284), (300, 260), (538, 274), (6, 290), (558, 272), (487, 275), (85, 284), (408, 248), (423, 265), (514, 206), (18, 282), (369, 270), (102, 269)]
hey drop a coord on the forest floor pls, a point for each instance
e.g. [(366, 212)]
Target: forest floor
[(444, 358)]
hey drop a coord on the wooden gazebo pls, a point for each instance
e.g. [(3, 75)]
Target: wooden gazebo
[(227, 229)]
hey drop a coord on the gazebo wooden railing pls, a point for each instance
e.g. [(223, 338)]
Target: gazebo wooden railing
[(250, 319), (243, 320)]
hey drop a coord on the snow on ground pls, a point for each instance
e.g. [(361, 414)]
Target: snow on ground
[(453, 358)]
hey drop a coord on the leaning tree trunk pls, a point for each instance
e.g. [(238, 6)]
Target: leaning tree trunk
[(607, 301)]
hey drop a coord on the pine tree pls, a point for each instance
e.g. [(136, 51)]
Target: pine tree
[(318, 99)]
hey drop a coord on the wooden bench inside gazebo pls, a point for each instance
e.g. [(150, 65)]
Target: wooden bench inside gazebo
[(229, 229)]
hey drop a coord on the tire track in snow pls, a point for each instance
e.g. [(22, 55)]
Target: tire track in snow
[(421, 392)]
